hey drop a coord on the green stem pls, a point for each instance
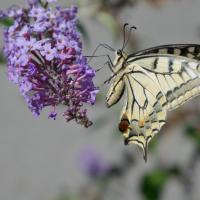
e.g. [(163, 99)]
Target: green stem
[(41, 3), (44, 5)]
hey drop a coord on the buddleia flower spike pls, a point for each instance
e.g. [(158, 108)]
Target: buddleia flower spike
[(45, 60)]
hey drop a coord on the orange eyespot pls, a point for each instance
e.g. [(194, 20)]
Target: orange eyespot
[(124, 125)]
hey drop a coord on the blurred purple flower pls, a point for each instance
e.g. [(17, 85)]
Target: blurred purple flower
[(33, 2), (92, 164), (44, 58), (51, 1)]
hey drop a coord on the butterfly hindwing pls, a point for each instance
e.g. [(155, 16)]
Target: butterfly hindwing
[(144, 108)]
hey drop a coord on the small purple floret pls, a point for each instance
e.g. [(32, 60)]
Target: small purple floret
[(53, 115), (44, 58)]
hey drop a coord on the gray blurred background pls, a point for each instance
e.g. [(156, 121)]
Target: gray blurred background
[(39, 158)]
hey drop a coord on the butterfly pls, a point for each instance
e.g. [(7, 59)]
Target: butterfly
[(152, 82)]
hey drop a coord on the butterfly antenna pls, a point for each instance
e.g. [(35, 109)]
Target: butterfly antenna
[(108, 47), (124, 32), (129, 35)]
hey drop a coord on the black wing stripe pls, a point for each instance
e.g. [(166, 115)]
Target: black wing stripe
[(185, 50)]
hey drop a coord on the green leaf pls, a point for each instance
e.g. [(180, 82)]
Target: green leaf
[(153, 144), (193, 133), (6, 22), (153, 183), (109, 22), (175, 171), (190, 130), (83, 31), (2, 59)]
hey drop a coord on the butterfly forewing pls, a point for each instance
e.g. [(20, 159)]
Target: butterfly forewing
[(186, 50), (178, 77), (163, 63)]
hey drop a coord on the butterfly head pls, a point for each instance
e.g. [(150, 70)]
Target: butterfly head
[(121, 54), (120, 58)]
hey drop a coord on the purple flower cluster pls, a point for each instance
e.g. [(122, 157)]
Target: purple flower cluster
[(44, 57)]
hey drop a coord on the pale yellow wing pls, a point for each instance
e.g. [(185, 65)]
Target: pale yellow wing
[(154, 84), (145, 108), (178, 77), (115, 91)]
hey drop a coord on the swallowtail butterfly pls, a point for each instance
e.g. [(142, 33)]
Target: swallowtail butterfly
[(153, 81)]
